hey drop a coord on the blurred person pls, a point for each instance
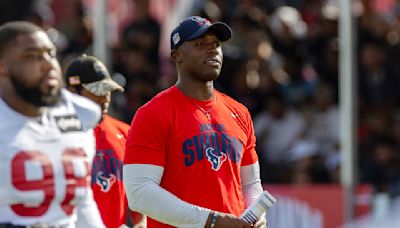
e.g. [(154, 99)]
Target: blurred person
[(144, 31), (139, 57), (88, 76), (395, 129), (277, 128), (135, 64), (378, 75), (250, 72), (382, 169), (288, 31), (307, 164), (209, 9), (141, 78), (42, 15), (333, 166), (299, 81), (190, 155), (373, 23), (377, 120), (323, 120), (327, 64), (322, 42), (77, 26), (46, 137), (243, 80), (138, 92), (373, 122)]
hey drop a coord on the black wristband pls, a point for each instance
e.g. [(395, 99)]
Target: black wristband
[(214, 217)]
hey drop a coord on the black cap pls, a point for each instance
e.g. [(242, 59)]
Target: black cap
[(194, 27), (90, 73)]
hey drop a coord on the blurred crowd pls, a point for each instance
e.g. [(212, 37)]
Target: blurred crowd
[(282, 63)]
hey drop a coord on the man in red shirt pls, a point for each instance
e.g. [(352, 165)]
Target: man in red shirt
[(87, 76), (190, 154)]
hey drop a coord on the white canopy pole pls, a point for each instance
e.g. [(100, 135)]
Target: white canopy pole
[(100, 31), (348, 107)]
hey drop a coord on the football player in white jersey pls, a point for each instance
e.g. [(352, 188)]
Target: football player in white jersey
[(46, 139)]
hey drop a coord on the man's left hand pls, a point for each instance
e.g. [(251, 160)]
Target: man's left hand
[(261, 223)]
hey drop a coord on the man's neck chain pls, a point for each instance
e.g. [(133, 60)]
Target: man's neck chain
[(206, 112)]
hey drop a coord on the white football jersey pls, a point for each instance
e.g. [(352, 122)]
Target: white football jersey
[(45, 163)]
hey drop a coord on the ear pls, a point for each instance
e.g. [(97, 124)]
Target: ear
[(3, 70), (176, 56)]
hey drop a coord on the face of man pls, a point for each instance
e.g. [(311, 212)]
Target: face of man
[(102, 101), (33, 69), (201, 58)]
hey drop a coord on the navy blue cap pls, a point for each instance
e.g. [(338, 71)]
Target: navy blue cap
[(194, 27)]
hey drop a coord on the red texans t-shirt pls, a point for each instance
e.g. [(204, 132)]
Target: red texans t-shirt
[(107, 186), (201, 156)]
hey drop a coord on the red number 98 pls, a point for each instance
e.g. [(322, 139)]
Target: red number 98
[(46, 183)]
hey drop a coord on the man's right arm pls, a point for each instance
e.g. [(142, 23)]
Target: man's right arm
[(138, 220), (145, 195)]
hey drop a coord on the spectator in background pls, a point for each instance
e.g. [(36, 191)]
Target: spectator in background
[(298, 87), (323, 120), (251, 65), (144, 32), (42, 15), (288, 31), (383, 166), (78, 28), (378, 76), (395, 129), (87, 76), (306, 163), (277, 128), (141, 80), (327, 65), (137, 58)]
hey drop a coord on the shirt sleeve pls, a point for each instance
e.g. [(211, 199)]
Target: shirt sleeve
[(251, 183), (249, 155), (145, 195), (88, 112), (146, 141), (88, 214)]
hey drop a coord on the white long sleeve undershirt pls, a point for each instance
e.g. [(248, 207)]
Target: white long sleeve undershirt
[(142, 186), (147, 197), (251, 183)]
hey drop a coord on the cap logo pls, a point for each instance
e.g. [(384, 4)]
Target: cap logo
[(99, 67), (200, 21), (74, 80), (176, 38)]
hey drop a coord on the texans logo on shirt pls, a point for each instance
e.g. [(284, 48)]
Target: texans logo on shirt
[(107, 169), (105, 182), (215, 159), (215, 144)]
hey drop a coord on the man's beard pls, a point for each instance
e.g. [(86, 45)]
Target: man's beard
[(34, 95)]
